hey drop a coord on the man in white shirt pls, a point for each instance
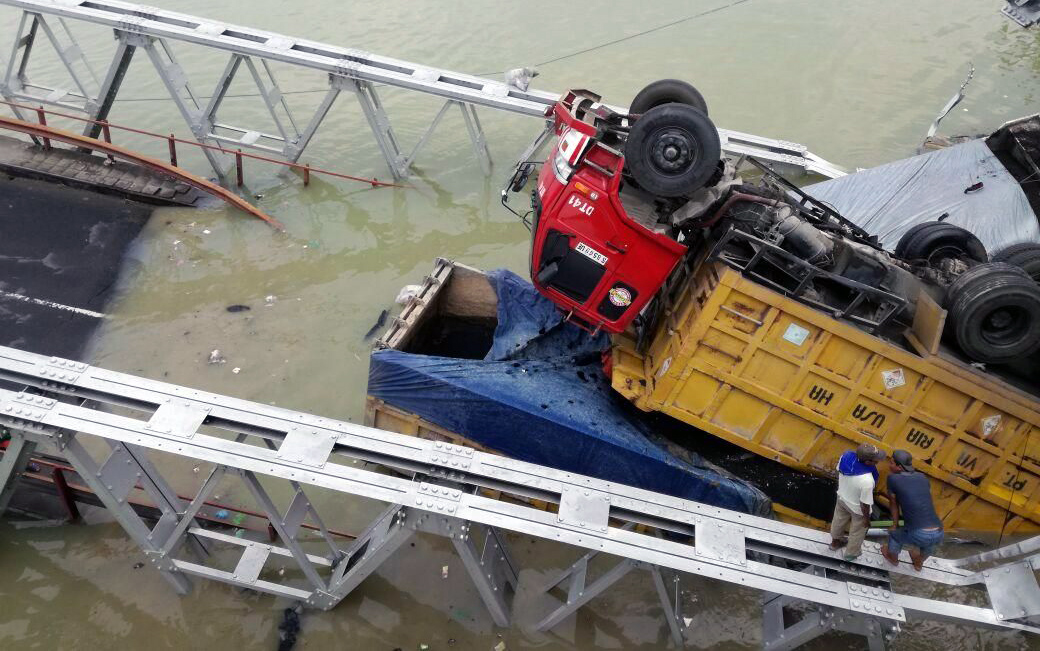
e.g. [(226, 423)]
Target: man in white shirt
[(857, 476)]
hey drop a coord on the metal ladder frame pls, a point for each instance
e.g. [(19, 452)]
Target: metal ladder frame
[(439, 489), (347, 69)]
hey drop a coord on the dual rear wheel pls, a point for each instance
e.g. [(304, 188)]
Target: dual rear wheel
[(673, 148)]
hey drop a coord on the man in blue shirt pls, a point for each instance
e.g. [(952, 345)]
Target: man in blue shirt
[(909, 496), (857, 477)]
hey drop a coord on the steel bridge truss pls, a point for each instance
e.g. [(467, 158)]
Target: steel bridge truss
[(156, 30), (435, 487)]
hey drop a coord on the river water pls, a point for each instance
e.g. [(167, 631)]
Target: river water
[(858, 83)]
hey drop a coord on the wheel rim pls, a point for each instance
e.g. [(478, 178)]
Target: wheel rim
[(1004, 325), (948, 251), (672, 151)]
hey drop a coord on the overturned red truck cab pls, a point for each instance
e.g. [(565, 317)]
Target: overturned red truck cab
[(590, 256)]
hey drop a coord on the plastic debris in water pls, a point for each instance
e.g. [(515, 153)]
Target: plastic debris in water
[(407, 293), (380, 321), (237, 308), (501, 646), (270, 299), (216, 357), (221, 514), (205, 231), (520, 77), (444, 572), (236, 370)]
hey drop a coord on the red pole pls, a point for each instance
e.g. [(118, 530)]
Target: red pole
[(306, 175), (58, 475), (106, 133), (173, 150), (41, 115), (238, 166)]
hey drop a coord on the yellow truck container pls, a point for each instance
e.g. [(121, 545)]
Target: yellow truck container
[(788, 382)]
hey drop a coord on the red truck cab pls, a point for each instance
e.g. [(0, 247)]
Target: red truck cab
[(589, 256)]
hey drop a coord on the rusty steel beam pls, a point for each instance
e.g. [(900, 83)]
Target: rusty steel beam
[(42, 131)]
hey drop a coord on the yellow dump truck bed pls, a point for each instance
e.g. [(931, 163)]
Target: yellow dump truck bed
[(788, 382)]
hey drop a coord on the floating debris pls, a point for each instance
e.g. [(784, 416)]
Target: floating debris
[(380, 322), (216, 357), (238, 308), (236, 370), (289, 628), (270, 299), (407, 293), (444, 572)]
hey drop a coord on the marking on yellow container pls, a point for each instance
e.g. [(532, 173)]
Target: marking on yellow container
[(864, 413), (919, 438), (1012, 481), (893, 379), (990, 424), (664, 368), (796, 334), (820, 395)]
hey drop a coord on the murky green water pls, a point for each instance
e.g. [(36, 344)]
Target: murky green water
[(857, 82)]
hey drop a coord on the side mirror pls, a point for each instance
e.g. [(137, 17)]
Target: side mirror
[(520, 177)]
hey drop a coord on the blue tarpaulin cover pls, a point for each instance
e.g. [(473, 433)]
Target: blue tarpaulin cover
[(540, 396)]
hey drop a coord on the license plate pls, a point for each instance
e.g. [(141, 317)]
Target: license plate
[(591, 253)]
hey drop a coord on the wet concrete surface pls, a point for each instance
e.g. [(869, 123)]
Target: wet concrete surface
[(96, 173), (61, 250)]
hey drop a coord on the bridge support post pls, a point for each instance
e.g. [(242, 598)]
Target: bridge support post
[(112, 482), (16, 456), (377, 119), (580, 592), (817, 620), (100, 108)]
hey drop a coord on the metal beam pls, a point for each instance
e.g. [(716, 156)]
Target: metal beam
[(440, 493), (364, 68)]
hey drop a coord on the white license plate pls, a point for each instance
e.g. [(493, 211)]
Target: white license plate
[(591, 253)]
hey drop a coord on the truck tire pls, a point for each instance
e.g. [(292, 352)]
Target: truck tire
[(1025, 256), (994, 313), (667, 91), (933, 241), (672, 150)]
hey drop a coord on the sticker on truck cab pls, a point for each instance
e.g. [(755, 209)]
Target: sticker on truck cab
[(591, 253), (583, 207)]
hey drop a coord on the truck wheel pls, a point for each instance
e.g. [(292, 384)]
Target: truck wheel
[(667, 91), (933, 241), (672, 150), (994, 313), (1025, 256)]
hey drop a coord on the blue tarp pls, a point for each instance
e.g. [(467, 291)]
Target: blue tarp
[(540, 396)]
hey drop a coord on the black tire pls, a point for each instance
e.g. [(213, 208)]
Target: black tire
[(907, 236), (1025, 256), (672, 150), (994, 313), (933, 241), (667, 91)]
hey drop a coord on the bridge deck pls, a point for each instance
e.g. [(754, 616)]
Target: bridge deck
[(439, 488)]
